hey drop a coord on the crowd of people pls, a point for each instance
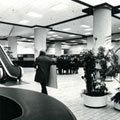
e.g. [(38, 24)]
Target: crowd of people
[(68, 64)]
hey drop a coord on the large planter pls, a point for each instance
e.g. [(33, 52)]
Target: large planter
[(109, 79), (117, 106), (95, 101)]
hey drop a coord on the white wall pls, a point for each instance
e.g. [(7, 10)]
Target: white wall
[(25, 48), (51, 51), (3, 42), (77, 49)]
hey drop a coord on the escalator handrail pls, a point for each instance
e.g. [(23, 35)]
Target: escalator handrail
[(6, 69), (6, 55), (8, 61)]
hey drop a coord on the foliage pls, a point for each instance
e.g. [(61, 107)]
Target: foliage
[(114, 68), (116, 98), (96, 68)]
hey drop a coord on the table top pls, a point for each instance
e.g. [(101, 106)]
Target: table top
[(37, 106)]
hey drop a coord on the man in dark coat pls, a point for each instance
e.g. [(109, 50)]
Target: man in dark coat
[(42, 65)]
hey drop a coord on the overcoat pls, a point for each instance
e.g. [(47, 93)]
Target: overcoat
[(42, 64)]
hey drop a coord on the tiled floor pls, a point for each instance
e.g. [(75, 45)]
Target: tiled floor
[(69, 92)]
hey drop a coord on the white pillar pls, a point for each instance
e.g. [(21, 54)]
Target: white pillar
[(102, 27), (90, 43), (40, 40), (12, 43), (58, 48)]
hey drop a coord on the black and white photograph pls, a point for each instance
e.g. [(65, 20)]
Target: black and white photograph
[(59, 60)]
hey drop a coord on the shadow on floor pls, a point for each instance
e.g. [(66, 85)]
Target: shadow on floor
[(12, 83)]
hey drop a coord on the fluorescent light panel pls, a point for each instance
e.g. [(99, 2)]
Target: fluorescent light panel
[(59, 37), (85, 26), (117, 39), (88, 29), (51, 38), (55, 35), (66, 29), (31, 36), (72, 41), (34, 14), (51, 32), (72, 35), (23, 39), (23, 21)]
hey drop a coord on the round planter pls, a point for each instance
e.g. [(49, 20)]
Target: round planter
[(117, 106), (95, 101), (108, 79)]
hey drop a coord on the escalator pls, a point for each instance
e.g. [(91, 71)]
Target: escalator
[(11, 70)]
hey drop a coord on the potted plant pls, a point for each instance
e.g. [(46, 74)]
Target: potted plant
[(112, 66), (95, 68), (116, 100)]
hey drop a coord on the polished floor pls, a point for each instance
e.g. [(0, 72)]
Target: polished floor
[(69, 92)]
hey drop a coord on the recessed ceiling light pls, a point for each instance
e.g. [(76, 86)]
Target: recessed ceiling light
[(55, 35), (32, 36), (59, 7), (51, 32), (59, 37), (72, 41), (66, 29), (85, 26), (88, 29), (23, 21), (64, 42), (34, 14), (23, 39), (51, 38), (117, 39), (72, 35), (29, 40)]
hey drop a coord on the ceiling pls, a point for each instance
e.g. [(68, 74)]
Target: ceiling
[(66, 20)]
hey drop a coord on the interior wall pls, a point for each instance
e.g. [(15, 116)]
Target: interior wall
[(25, 48), (77, 49), (3, 42), (51, 51)]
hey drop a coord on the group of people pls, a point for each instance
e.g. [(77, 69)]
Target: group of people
[(68, 64)]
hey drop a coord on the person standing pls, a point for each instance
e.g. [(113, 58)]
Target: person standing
[(42, 65)]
